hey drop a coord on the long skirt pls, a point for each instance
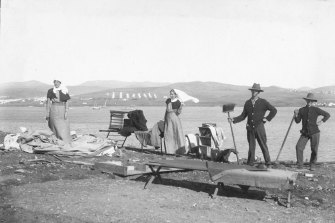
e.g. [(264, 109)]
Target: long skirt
[(174, 137), (58, 124)]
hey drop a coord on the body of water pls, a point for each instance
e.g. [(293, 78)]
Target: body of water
[(85, 120)]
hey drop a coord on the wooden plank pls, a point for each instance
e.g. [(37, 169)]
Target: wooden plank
[(200, 165), (165, 170), (134, 169)]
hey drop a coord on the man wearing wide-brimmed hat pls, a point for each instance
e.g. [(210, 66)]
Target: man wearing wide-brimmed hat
[(310, 130), (255, 109)]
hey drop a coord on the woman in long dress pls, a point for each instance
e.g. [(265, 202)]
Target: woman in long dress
[(57, 111), (174, 137)]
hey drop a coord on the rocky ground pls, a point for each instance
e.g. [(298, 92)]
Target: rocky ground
[(44, 188)]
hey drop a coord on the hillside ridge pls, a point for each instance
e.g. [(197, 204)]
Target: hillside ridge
[(150, 93)]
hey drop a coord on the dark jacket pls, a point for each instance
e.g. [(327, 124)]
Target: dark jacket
[(138, 120), (309, 115), (63, 97), (256, 113), (176, 105)]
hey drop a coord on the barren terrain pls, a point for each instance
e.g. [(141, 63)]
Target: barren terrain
[(51, 190)]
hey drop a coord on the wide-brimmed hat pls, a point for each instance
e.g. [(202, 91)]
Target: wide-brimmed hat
[(310, 97), (256, 87)]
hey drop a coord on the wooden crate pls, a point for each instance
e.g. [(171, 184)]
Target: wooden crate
[(206, 137), (208, 153), (206, 141), (208, 123)]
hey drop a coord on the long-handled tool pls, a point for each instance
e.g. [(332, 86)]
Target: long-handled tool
[(227, 108), (282, 145)]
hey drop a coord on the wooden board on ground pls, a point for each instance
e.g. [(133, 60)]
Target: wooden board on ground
[(111, 167)]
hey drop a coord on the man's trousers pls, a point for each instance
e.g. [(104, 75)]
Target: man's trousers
[(301, 144), (259, 134)]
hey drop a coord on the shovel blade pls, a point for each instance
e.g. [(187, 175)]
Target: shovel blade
[(228, 107)]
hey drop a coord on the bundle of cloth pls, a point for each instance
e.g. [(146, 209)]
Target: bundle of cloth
[(153, 136), (136, 122), (44, 141)]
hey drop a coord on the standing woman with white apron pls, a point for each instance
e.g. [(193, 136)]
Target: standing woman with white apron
[(57, 111), (173, 132)]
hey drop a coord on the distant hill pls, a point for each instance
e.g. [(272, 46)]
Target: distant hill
[(304, 89), (209, 93), (25, 89), (109, 84), (34, 88), (325, 90), (24, 84)]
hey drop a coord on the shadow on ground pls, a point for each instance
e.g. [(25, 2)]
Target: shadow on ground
[(226, 190)]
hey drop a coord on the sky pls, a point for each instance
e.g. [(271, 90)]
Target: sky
[(287, 43)]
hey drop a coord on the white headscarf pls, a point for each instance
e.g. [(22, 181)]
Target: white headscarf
[(61, 88), (185, 97)]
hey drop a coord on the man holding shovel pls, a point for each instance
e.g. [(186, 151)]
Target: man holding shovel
[(310, 131), (255, 109)]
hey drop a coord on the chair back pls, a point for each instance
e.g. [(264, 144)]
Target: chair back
[(117, 120)]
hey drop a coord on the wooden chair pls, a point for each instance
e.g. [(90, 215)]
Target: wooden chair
[(116, 123)]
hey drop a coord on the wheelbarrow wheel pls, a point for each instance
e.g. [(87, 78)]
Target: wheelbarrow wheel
[(221, 184), (244, 188)]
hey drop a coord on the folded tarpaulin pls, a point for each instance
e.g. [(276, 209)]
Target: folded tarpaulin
[(153, 137), (143, 137), (82, 145)]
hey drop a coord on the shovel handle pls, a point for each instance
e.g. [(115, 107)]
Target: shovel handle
[(282, 145), (232, 133)]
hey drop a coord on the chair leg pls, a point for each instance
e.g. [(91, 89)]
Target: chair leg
[(288, 205), (107, 134), (161, 146), (165, 146), (124, 141)]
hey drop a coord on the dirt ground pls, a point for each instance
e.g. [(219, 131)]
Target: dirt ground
[(51, 190)]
